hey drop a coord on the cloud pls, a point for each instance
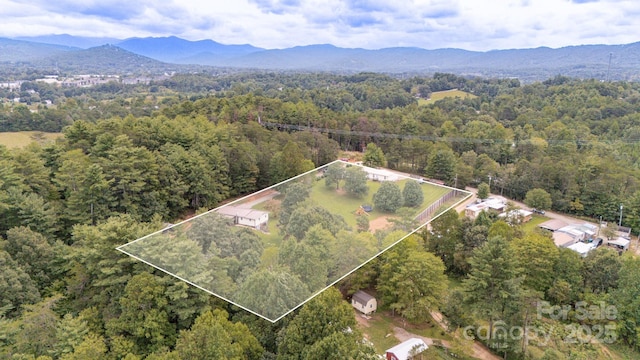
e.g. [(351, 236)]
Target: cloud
[(473, 25), (276, 6)]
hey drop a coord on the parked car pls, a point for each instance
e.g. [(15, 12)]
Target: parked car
[(541, 212)]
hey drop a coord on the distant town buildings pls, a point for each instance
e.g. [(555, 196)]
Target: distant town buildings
[(85, 80)]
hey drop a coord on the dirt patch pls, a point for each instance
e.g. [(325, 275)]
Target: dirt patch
[(380, 223), (362, 321)]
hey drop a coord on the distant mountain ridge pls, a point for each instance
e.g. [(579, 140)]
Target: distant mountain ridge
[(587, 61), (176, 50)]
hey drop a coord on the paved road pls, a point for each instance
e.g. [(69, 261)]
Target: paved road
[(550, 214)]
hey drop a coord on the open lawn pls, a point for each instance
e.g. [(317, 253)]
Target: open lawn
[(439, 95), (534, 222), (440, 353), (23, 138), (346, 205), (379, 330)]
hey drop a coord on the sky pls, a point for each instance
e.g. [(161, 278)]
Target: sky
[(479, 25)]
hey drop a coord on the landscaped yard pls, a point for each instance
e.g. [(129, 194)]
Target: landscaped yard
[(346, 205)]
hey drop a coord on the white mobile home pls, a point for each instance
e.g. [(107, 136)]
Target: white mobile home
[(247, 217)]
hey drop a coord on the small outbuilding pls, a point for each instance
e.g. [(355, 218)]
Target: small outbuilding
[(364, 302), (406, 350), (621, 244)]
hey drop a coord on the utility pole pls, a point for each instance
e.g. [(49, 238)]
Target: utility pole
[(620, 222)]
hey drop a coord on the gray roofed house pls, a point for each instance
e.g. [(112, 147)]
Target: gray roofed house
[(245, 216)]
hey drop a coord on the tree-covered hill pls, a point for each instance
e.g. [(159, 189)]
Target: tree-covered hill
[(133, 158)]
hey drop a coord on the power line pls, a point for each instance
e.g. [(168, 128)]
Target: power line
[(433, 138)]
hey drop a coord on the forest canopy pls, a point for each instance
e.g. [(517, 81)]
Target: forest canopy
[(134, 158)]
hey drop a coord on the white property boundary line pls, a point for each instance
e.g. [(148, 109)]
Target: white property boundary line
[(120, 248)]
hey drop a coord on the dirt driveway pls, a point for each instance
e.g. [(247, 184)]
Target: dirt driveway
[(479, 351)]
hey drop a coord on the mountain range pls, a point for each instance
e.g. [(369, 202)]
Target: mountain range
[(147, 54)]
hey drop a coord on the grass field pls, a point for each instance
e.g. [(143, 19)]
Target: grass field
[(346, 205), (381, 325), (23, 138), (439, 95), (534, 222)]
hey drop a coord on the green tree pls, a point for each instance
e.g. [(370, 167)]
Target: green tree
[(568, 271), (317, 325), (356, 181), (213, 336), (70, 332), (334, 174), (309, 258), (33, 252), (442, 165), (538, 199), (493, 287), (412, 194), (31, 210), (501, 228), (362, 222), (373, 156), (626, 298), (272, 292), (304, 218), (536, 254), (144, 318), (132, 174), (288, 163), (294, 195), (243, 168), (444, 237), (388, 198), (350, 251), (16, 286), (37, 334), (421, 277), (92, 347), (97, 273), (483, 191), (456, 315), (602, 269)]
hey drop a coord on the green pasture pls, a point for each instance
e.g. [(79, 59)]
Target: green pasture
[(346, 205), (439, 95), (23, 138)]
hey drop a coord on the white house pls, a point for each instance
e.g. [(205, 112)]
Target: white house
[(380, 174), (364, 302), (517, 216), (244, 216), (490, 204), (406, 350)]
